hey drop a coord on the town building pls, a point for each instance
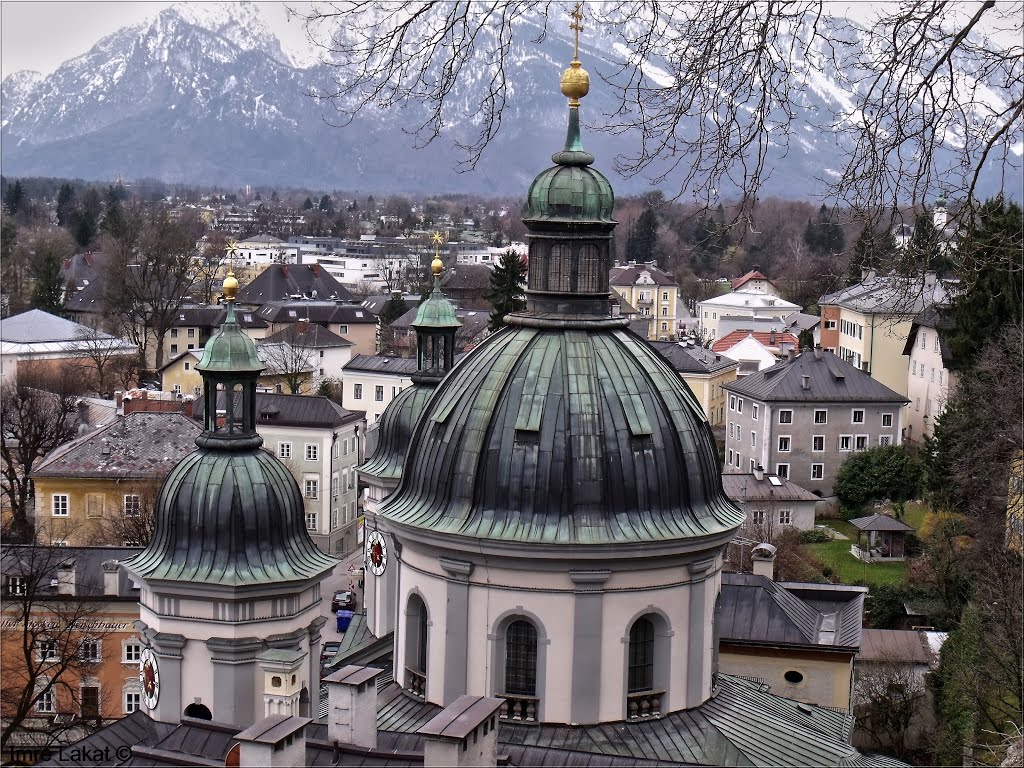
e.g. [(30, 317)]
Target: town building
[(867, 324), (192, 326), (930, 375), (100, 488), (743, 304), (705, 373), (802, 418), (755, 350), (283, 367), (755, 282), (257, 251), (36, 341), (314, 345), (281, 282), (350, 321), (794, 324), (653, 292), (371, 382), (771, 503)]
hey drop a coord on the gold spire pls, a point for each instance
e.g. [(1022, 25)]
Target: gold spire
[(575, 80), (437, 266)]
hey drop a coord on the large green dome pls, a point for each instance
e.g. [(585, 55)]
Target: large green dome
[(571, 193)]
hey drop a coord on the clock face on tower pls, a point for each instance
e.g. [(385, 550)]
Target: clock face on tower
[(149, 676), (376, 552)]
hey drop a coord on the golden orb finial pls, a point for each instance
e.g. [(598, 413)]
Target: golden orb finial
[(436, 266), (575, 80), (230, 285)]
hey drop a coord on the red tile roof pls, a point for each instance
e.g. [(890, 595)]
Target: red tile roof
[(752, 275), (730, 340)]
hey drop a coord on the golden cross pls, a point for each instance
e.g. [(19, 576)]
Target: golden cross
[(231, 249), (438, 238), (577, 27)]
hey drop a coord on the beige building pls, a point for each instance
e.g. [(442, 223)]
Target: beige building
[(705, 373), (350, 321), (867, 324), (179, 375), (929, 376), (653, 292)]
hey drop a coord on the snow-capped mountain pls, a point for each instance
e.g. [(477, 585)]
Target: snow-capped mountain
[(204, 93)]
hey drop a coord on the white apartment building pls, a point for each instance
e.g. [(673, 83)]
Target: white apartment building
[(371, 382), (740, 304), (929, 376)]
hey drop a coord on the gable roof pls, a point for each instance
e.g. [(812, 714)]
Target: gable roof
[(278, 282), (141, 444), (767, 339), (830, 379), (793, 322), (745, 487), (938, 319), (760, 611), (35, 326), (276, 409), (891, 294), (880, 522), (691, 359), (743, 299), (751, 275), (291, 311), (314, 336), (87, 563), (390, 366), (628, 275)]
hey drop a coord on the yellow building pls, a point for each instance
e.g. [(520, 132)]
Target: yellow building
[(180, 376), (705, 373), (654, 293), (99, 488)]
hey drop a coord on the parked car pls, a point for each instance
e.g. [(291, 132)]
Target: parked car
[(343, 600), (327, 651)]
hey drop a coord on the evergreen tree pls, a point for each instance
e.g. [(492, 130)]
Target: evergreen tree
[(824, 235), (85, 220), (115, 222), (506, 291), (326, 205), (49, 249), (711, 239), (65, 204), (925, 251), (806, 339), (991, 268), (14, 198), (874, 248), (643, 237), (308, 205)]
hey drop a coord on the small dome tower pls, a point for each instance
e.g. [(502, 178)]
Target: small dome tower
[(230, 583)]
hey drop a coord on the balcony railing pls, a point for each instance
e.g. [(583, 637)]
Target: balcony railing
[(417, 682), (645, 705), (518, 708)]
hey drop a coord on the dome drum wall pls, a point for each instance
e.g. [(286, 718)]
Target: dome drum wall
[(569, 264), (582, 610)]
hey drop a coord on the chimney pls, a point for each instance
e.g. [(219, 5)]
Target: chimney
[(759, 473), (187, 405), (819, 353), (66, 577), (763, 559), (805, 382), (278, 741), (791, 354), (118, 398), (771, 338), (352, 706), (463, 735), (111, 577)]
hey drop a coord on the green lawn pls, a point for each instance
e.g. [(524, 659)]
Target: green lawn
[(850, 570)]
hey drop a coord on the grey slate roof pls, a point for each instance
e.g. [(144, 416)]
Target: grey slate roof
[(141, 444), (745, 487), (880, 522), (375, 304), (891, 294), (629, 274), (474, 324), (692, 359), (315, 312), (937, 319), (43, 561), (35, 326), (757, 610), (278, 282), (551, 436), (793, 323), (894, 645), (393, 366), (831, 380), (314, 337), (289, 410)]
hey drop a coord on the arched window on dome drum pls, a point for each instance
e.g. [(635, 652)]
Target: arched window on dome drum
[(589, 280), (560, 268), (521, 658), (641, 655), (416, 645), (537, 271)]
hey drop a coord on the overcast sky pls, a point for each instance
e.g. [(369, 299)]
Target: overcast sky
[(43, 35)]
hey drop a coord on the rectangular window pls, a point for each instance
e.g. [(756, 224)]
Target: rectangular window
[(60, 504), (16, 586), (757, 517), (334, 487), (739, 405), (132, 653), (784, 443), (924, 339), (857, 416), (785, 517), (334, 518), (94, 505), (191, 333), (940, 376), (886, 419), (312, 488), (90, 698), (753, 411), (45, 702), (817, 471), (936, 342), (913, 368), (312, 451), (284, 450), (820, 416), (845, 442), (730, 457), (46, 650), (174, 333), (917, 403), (132, 701), (378, 393), (818, 443), (782, 470), (186, 367), (830, 325), (932, 374), (357, 391), (732, 402), (132, 505), (89, 650), (174, 349), (311, 521), (753, 439), (862, 442), (885, 439), (785, 417)]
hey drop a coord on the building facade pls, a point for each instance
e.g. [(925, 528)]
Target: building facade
[(655, 295), (371, 382), (740, 304), (930, 375)]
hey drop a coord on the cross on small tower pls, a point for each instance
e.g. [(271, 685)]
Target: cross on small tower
[(577, 27)]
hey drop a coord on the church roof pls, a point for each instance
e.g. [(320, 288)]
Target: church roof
[(395, 432)]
